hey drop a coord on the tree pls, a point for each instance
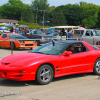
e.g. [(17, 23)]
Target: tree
[(40, 7), (89, 15), (57, 17), (16, 9)]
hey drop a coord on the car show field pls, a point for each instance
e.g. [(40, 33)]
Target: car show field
[(70, 87)]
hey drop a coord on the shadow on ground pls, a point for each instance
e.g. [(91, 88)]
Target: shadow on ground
[(10, 83)]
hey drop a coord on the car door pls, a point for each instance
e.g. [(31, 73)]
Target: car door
[(88, 37), (76, 63), (3, 38)]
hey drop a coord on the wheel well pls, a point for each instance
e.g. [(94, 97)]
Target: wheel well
[(47, 64), (96, 59)]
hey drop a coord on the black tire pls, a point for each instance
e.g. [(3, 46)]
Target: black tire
[(44, 74), (31, 48), (38, 43), (13, 45), (97, 67), (97, 43)]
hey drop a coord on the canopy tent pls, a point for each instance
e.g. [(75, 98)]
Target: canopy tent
[(24, 26), (81, 28), (10, 25), (1, 28), (65, 27), (51, 29)]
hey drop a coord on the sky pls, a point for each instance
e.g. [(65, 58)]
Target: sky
[(57, 2)]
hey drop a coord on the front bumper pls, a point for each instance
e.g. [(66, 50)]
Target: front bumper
[(17, 75)]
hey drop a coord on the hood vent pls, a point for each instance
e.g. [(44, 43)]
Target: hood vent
[(6, 63)]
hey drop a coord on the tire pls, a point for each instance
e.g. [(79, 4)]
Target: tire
[(13, 45), (97, 43), (31, 48), (44, 74), (38, 43), (97, 67)]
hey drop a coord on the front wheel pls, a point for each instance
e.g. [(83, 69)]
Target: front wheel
[(44, 74), (38, 43), (97, 67)]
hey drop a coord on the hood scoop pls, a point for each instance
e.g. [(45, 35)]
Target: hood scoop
[(5, 63)]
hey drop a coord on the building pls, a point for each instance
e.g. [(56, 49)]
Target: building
[(8, 21)]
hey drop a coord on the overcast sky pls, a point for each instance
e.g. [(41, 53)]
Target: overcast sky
[(57, 2)]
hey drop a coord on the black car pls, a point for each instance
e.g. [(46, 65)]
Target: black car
[(36, 34)]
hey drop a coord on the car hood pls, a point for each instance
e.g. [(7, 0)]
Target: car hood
[(21, 59)]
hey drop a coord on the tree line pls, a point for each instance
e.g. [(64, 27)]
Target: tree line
[(82, 13)]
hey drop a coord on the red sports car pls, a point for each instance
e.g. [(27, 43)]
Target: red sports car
[(54, 59)]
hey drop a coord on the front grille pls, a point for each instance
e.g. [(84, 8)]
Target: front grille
[(28, 44)]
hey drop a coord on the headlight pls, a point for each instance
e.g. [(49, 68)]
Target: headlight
[(21, 41)]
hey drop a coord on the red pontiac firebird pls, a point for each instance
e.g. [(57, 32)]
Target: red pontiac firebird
[(51, 60)]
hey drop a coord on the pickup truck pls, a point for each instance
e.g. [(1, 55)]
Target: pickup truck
[(37, 35), (92, 36)]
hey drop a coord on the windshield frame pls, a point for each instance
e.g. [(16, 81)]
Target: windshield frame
[(57, 46)]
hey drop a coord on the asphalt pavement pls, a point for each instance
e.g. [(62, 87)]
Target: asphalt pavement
[(70, 87)]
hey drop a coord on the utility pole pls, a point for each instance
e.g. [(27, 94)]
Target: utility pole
[(36, 14), (21, 15), (43, 17)]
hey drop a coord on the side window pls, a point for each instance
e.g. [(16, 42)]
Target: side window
[(4, 35), (77, 48), (89, 33)]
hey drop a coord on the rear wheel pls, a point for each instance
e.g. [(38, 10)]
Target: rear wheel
[(44, 74), (97, 67)]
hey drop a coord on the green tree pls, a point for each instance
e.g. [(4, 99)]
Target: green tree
[(57, 17), (89, 15), (16, 9), (40, 6)]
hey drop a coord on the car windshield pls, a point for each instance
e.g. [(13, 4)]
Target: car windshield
[(16, 36), (53, 34), (52, 48), (94, 47), (36, 32)]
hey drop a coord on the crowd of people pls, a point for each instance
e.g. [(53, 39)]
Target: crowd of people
[(17, 30), (67, 33)]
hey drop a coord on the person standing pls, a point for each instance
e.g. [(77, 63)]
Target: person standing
[(69, 34), (62, 33)]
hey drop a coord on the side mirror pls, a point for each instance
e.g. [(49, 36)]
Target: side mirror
[(67, 53)]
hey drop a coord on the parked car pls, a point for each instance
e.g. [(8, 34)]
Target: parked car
[(51, 60), (16, 41), (91, 36), (38, 35)]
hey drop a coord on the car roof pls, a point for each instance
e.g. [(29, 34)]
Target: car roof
[(69, 41), (11, 33), (7, 33)]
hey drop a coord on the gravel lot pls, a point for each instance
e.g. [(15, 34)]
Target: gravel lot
[(71, 87)]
